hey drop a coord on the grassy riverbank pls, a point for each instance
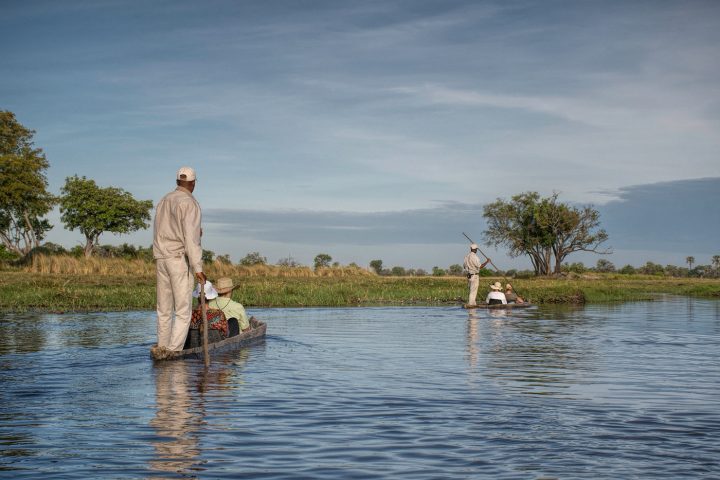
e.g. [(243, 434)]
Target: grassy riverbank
[(23, 290)]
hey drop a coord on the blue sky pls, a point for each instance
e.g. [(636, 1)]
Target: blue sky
[(379, 129)]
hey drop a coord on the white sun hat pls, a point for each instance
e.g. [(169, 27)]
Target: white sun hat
[(210, 291)]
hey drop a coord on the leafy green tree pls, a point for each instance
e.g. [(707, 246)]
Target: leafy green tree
[(208, 256), (544, 229), (651, 268), (575, 267), (377, 265), (94, 210), (398, 271), (605, 266), (24, 198), (438, 272), (224, 259), (53, 248), (627, 270), (6, 255), (322, 260), (253, 258), (125, 250), (455, 270)]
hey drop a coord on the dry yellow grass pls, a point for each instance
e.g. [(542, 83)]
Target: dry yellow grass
[(67, 265)]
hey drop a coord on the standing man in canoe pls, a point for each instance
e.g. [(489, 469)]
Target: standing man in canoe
[(472, 266), (177, 250)]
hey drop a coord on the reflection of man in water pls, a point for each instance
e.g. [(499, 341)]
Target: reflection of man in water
[(472, 339), (180, 406), (177, 448)]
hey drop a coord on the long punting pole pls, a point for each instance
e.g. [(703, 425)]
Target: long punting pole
[(483, 254), (203, 306)]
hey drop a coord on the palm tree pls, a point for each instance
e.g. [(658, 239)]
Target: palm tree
[(716, 261), (690, 261)]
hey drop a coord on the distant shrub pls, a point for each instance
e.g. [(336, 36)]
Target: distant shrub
[(288, 262), (253, 258), (627, 270), (398, 271), (455, 270), (525, 274)]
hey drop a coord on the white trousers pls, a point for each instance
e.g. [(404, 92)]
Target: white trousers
[(174, 294), (473, 284)]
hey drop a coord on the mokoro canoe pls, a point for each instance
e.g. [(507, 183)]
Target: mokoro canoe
[(500, 306), (244, 339)]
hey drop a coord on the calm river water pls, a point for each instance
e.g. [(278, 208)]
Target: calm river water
[(599, 392)]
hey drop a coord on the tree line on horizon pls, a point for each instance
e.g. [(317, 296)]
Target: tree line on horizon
[(324, 260), (544, 229)]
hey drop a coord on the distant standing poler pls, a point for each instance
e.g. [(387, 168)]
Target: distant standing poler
[(472, 266), (177, 250)]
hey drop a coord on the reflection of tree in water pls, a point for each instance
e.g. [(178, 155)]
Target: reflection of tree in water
[(538, 351), (95, 330), (181, 387), (22, 334), (26, 333)]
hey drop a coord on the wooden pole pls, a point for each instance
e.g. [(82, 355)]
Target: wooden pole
[(490, 261), (203, 307)]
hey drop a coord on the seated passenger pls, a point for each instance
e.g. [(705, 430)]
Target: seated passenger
[(231, 308), (511, 296), (495, 297), (217, 324)]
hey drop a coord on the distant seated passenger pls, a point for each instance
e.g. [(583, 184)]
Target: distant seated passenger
[(511, 296), (234, 311), (495, 297)]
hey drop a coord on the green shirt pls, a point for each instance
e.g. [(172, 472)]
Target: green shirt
[(231, 309)]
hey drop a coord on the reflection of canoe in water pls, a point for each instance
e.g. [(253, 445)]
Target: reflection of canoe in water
[(243, 339), (500, 306)]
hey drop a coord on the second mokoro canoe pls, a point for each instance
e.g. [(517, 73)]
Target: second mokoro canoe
[(243, 339), (499, 306)]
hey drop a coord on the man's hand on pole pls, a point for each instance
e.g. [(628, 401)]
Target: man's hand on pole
[(201, 278)]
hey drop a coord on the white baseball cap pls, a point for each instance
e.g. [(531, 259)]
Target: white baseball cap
[(473, 246), (186, 173)]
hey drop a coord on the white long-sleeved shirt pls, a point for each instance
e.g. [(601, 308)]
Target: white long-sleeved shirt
[(176, 230), (495, 295), (472, 263)]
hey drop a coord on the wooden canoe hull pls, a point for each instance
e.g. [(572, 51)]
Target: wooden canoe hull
[(244, 339), (499, 306)]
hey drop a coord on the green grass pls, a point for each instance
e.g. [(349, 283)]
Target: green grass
[(23, 291)]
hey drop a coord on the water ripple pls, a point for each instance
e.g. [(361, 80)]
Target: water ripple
[(601, 392)]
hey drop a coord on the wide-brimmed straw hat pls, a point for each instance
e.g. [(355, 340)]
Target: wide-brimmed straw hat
[(225, 285), (496, 286), (210, 291)]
